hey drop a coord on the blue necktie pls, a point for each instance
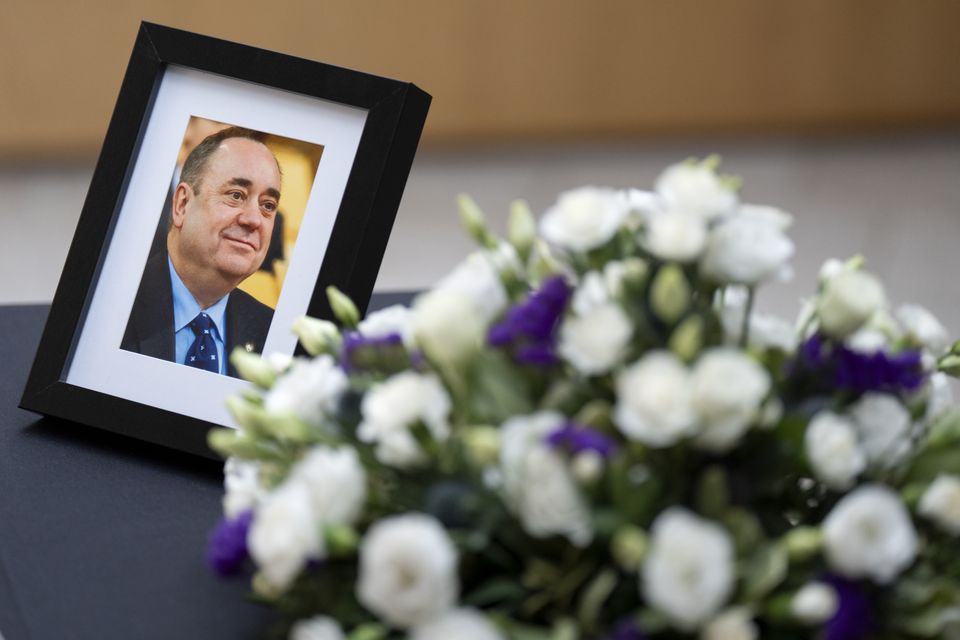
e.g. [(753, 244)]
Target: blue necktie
[(202, 354)]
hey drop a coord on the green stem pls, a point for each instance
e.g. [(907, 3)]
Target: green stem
[(747, 312)]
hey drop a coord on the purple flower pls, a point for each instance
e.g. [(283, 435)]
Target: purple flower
[(531, 325), (227, 549), (842, 368), (576, 438), (854, 617), (360, 352), (626, 629)]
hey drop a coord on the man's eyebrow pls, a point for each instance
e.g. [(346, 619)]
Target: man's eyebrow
[(246, 183)]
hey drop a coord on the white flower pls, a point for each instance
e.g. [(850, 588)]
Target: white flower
[(732, 624), (592, 292), (283, 535), (688, 573), (478, 280), (696, 187), (654, 403), (883, 426), (941, 503), (408, 570), (596, 341), (727, 390), (676, 235), (538, 487), (833, 452), (336, 482), (814, 603), (848, 300), (940, 396), (584, 219), (765, 330), (242, 488), (391, 409), (868, 534), (923, 327), (317, 628), (867, 340), (768, 215), (446, 326), (395, 319), (745, 250), (457, 624), (310, 390)]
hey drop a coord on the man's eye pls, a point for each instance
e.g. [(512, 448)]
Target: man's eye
[(269, 206), (236, 195)]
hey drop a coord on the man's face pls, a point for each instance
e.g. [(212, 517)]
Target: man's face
[(225, 228)]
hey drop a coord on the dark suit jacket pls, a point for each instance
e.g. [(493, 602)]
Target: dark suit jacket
[(150, 327)]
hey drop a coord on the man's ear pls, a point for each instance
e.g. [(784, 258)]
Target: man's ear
[(181, 196)]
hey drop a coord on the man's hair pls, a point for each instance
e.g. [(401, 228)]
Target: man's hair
[(196, 163)]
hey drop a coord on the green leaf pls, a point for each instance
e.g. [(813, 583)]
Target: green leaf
[(764, 571), (495, 591), (594, 595), (498, 390)]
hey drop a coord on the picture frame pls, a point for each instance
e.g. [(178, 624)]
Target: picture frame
[(368, 128)]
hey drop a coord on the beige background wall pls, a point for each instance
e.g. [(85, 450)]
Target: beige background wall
[(520, 71)]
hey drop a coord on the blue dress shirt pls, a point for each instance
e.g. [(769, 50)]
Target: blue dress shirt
[(185, 309)]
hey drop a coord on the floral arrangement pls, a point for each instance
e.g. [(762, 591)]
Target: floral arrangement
[(585, 431)]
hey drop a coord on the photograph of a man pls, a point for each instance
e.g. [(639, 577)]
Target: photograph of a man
[(188, 308)]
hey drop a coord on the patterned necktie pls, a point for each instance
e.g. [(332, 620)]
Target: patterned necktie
[(202, 354)]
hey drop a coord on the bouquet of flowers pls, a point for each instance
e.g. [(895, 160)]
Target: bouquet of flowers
[(586, 431)]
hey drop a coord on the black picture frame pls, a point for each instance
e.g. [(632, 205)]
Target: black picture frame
[(395, 115)]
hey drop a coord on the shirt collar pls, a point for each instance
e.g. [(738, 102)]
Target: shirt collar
[(186, 308)]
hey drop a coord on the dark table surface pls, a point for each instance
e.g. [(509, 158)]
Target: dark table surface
[(102, 536)]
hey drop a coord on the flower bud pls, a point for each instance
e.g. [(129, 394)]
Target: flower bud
[(669, 293), (343, 307), (447, 327), (848, 300), (629, 547), (342, 540), (521, 228), (482, 444), (587, 466), (814, 604), (475, 222), (687, 339), (317, 336), (253, 368), (803, 543)]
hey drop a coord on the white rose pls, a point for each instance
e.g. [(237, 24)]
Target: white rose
[(283, 535), (446, 326), (848, 300), (676, 235), (538, 487), (392, 408), (642, 204), (814, 603), (745, 250), (336, 482), (654, 402), (477, 279), (923, 327), (941, 503), (241, 484), (594, 342), (317, 628), (408, 570), (584, 219), (696, 187), (727, 388), (868, 534), (883, 426), (833, 452), (459, 624), (395, 319), (310, 390), (732, 624), (688, 573)]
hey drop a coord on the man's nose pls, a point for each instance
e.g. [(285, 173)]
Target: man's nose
[(249, 215)]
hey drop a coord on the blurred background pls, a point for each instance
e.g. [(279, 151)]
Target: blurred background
[(844, 112)]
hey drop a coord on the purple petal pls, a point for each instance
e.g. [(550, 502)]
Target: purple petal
[(227, 550), (854, 617), (576, 438)]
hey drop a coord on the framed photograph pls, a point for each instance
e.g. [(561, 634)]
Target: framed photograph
[(234, 185)]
